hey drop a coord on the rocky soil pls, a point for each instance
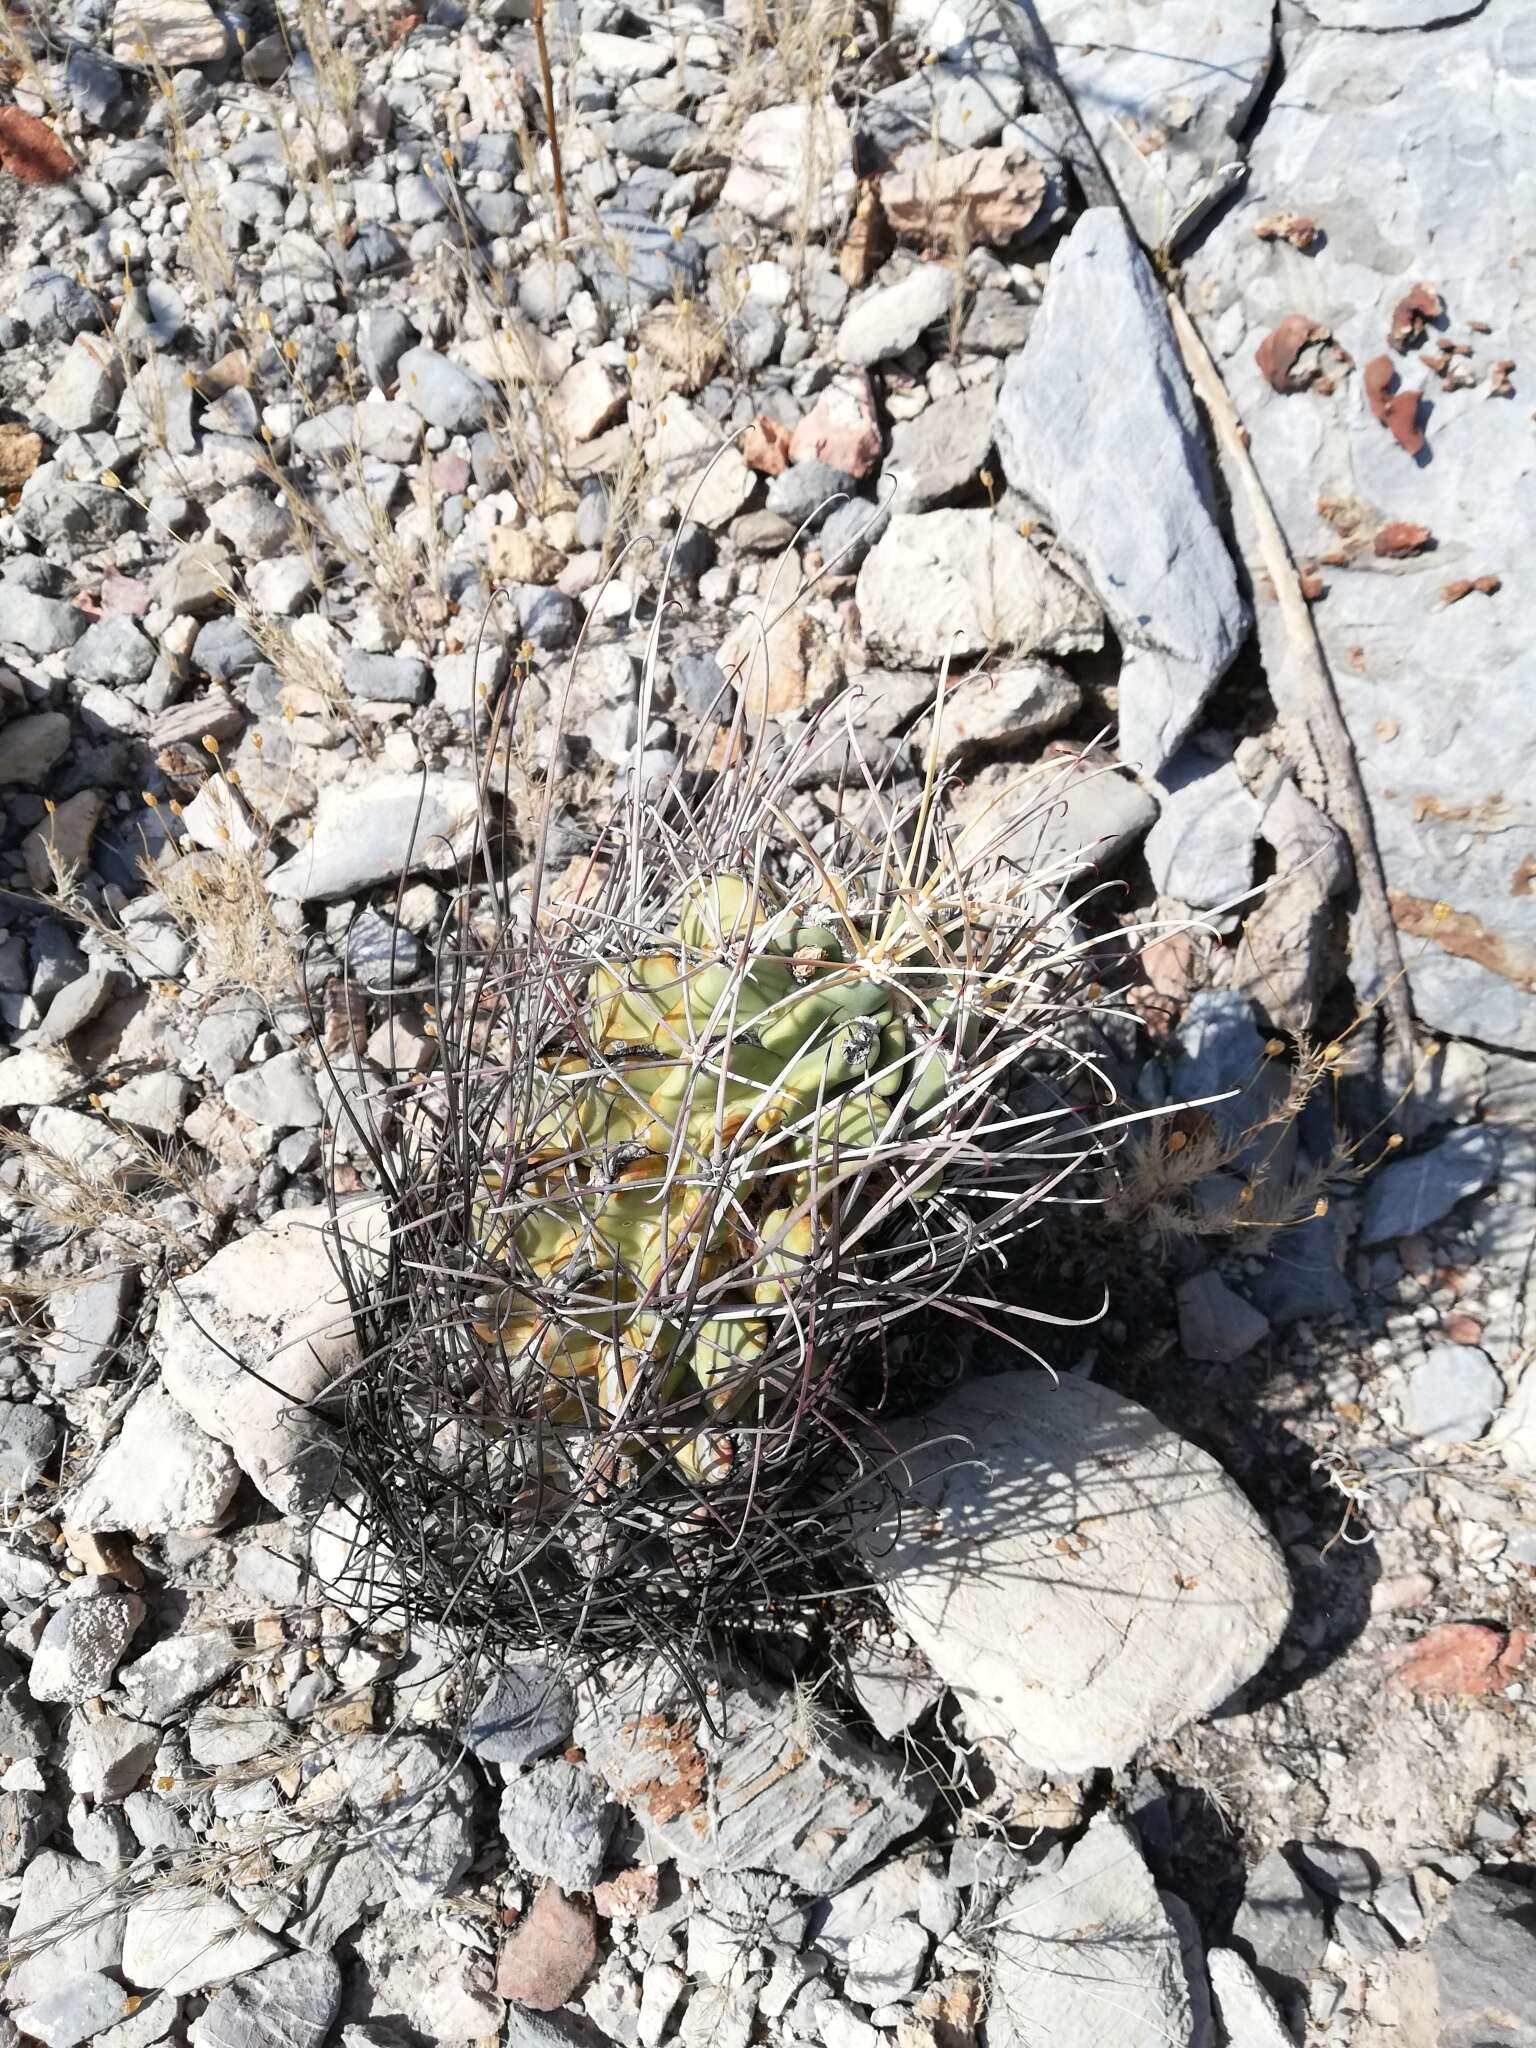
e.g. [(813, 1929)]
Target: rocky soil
[(1208, 1719)]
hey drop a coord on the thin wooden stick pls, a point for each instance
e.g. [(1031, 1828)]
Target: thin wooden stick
[(550, 121), (1325, 724)]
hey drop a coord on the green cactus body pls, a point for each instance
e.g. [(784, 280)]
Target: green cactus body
[(688, 1156)]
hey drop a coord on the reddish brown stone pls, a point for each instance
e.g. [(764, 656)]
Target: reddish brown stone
[(630, 1894), (1411, 315), (1499, 378), (1463, 586), (1398, 411), (1464, 1659), (1299, 229), (31, 151), (1460, 1328), (1400, 537), (545, 1960), (841, 428), (1277, 354), (765, 446)]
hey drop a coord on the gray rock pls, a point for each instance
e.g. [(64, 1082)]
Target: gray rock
[(1222, 1055), (1280, 1926), (850, 531), (94, 87), (1088, 1953), (74, 1007), (552, 621), (86, 1319), (443, 392), (287, 2004), (185, 1940), (32, 748), (1303, 1278), (381, 953), (894, 1687), (808, 490), (1439, 793), (634, 262), (888, 319), (1096, 425), (986, 711), (24, 1731), (1454, 1392), (1248, 2014), (558, 1819), (654, 137), (372, 834), (218, 1737), (40, 625), (943, 450), (1409, 1195), (1050, 1646), (1483, 1952), (83, 391), (75, 2012), (960, 583), (29, 1438), (280, 1093), (159, 1473), (1163, 110), (68, 1924), (384, 335), (700, 683), (175, 1671), (417, 1802), (1064, 818), (386, 678), (107, 1755), (112, 651), (273, 1302), (54, 307), (1216, 1324), (1200, 851), (963, 102), (886, 1962), (525, 1712), (82, 1647), (53, 509), (1282, 954)]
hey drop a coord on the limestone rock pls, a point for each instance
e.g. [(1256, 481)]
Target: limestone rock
[(1088, 1954), (1097, 426), (289, 2003), (182, 1940), (159, 1473), (1087, 1581), (792, 165), (262, 1329), (747, 1794), (373, 834), (961, 583), (1165, 87)]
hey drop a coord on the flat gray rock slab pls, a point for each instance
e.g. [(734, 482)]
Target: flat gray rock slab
[(962, 586), (1249, 2017), (1410, 1194), (1447, 123), (1088, 1955), (750, 1794), (1097, 427), (386, 827), (1165, 87), (1484, 1956), (1083, 1579)]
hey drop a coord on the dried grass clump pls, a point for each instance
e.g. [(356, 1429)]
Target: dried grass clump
[(220, 899)]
